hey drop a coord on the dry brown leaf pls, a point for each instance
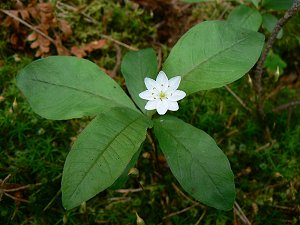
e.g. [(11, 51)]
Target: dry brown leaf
[(24, 14), (35, 44), (61, 50), (33, 12), (41, 17), (88, 48), (32, 36), (65, 28), (79, 52), (14, 39), (94, 45)]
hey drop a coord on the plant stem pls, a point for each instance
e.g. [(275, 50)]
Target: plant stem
[(259, 68)]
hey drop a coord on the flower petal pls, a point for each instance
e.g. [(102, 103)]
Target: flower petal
[(162, 80), (173, 106), (174, 83), (147, 95), (162, 107), (150, 83), (176, 95), (151, 105)]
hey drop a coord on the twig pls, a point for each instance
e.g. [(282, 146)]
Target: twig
[(150, 139), (237, 98), (21, 188), (286, 106), (241, 214), (266, 146), (115, 70), (5, 179), (259, 68), (181, 211), (119, 199), (28, 25), (15, 198), (177, 189), (201, 217), (118, 42), (52, 200), (125, 191)]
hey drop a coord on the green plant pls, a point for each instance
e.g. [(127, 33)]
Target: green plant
[(210, 55)]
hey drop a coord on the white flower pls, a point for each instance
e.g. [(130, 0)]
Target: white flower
[(162, 94)]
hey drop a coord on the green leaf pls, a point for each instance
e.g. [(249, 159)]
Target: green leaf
[(213, 54), (135, 67), (245, 17), (277, 4), (199, 165), (269, 22), (101, 153), (120, 182), (65, 87)]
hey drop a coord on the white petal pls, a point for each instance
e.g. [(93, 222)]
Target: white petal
[(162, 107), (147, 95), (150, 83), (174, 83), (151, 105), (176, 95), (173, 106), (162, 80)]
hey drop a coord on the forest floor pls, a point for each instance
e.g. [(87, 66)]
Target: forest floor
[(33, 150)]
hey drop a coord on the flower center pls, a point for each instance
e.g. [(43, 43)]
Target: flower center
[(162, 95)]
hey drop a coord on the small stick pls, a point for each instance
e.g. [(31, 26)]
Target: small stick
[(150, 139), (5, 179), (259, 68), (52, 200), (119, 199), (125, 191), (28, 25), (113, 73), (237, 98), (266, 146), (177, 189), (286, 106), (21, 188), (241, 214), (201, 217), (118, 42), (181, 211), (15, 198)]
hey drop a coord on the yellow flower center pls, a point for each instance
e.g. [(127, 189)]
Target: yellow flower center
[(162, 95)]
